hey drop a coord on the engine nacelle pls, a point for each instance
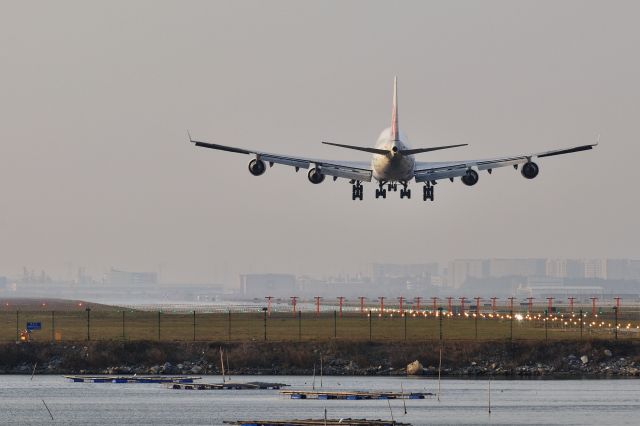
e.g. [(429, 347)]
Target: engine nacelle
[(257, 167), (530, 170), (315, 176), (471, 178)]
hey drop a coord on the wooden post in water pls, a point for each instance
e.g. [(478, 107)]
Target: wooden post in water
[(229, 325), (17, 325), (159, 312), (123, 335), (300, 325), (321, 370), (370, 325), (489, 395), (313, 384), (53, 326), (439, 370), (335, 325), (222, 366)]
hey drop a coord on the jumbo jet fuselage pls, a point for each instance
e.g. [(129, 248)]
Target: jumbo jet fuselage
[(393, 166)]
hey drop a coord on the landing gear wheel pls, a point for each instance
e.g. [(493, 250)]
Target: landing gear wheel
[(392, 187), (427, 193), (357, 191), (381, 193), (405, 192)]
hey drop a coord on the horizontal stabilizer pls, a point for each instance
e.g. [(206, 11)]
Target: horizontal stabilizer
[(435, 148), (360, 148)]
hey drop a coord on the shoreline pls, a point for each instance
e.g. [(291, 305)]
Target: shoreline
[(461, 359)]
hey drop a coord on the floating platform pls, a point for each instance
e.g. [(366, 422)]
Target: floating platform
[(296, 394), (132, 379), (227, 385), (309, 422)]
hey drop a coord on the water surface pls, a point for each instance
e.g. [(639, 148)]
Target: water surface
[(562, 402)]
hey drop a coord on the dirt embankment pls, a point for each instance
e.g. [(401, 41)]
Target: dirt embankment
[(460, 358)]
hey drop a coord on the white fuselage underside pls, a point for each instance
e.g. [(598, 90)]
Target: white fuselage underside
[(392, 167)]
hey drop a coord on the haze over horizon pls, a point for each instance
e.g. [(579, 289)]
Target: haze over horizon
[(98, 171)]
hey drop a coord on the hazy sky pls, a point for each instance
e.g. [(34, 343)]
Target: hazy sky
[(96, 99)]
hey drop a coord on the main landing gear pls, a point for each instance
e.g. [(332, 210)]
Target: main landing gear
[(358, 191), (404, 192), (381, 192), (392, 187), (427, 192)]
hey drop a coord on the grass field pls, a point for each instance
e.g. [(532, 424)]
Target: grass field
[(76, 324)]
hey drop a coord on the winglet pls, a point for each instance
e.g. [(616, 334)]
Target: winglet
[(395, 131), (189, 134), (597, 139)]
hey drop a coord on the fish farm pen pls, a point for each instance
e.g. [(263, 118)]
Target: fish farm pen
[(297, 394)]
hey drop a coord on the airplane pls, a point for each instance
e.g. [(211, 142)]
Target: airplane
[(393, 163)]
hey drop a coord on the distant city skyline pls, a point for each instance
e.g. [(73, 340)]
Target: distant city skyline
[(454, 271)]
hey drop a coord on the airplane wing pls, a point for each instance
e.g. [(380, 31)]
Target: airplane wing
[(352, 170), (434, 171)]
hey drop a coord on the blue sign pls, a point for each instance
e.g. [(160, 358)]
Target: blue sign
[(34, 326)]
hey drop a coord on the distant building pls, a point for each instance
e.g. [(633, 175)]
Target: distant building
[(516, 267), (623, 269), (393, 270), (115, 276), (461, 269), (595, 268)]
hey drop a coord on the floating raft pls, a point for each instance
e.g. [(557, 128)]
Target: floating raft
[(295, 394), (329, 422), (132, 379), (227, 385)]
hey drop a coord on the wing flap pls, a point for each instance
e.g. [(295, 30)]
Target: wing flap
[(431, 175), (287, 161), (345, 172)]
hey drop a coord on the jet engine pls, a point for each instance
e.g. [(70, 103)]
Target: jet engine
[(315, 176), (530, 170), (257, 167), (471, 178)]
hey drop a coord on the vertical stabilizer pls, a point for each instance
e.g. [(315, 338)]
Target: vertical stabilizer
[(395, 131)]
